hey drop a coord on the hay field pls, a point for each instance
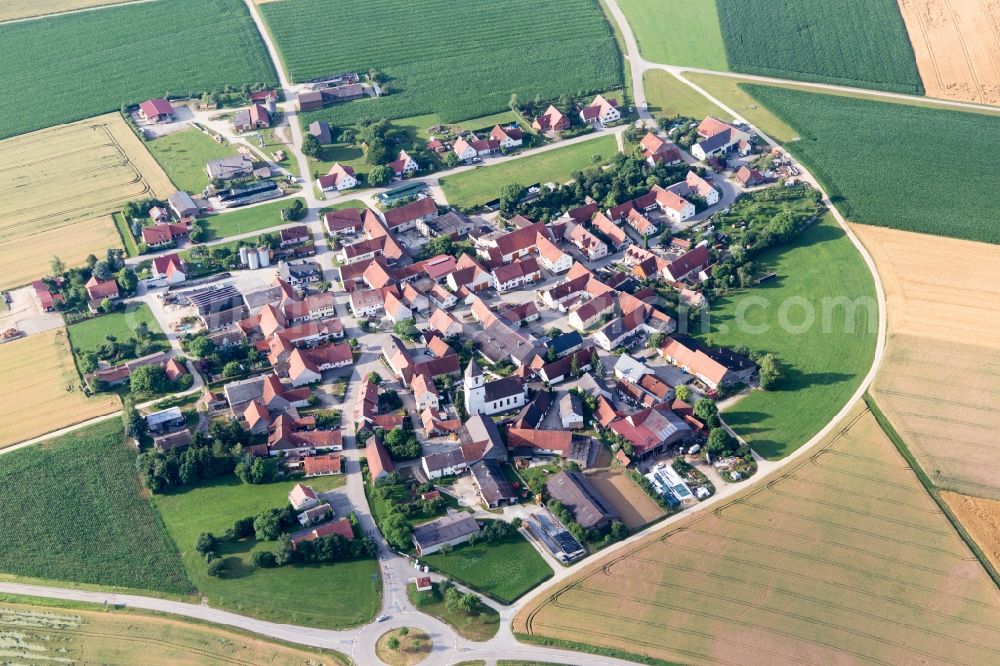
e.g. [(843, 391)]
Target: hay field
[(19, 9), (981, 517), (939, 384), (844, 558), (40, 378), (58, 185), (632, 504), (41, 633), (957, 47)]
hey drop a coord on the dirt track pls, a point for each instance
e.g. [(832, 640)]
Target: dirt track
[(957, 47)]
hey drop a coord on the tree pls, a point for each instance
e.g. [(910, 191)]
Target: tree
[(216, 568), (232, 369), (58, 267), (656, 340), (377, 152), (102, 271), (720, 443), (510, 196), (397, 530), (148, 379), (264, 559), (404, 631), (201, 346), (267, 526), (311, 146), (135, 424), (574, 366), (406, 328), (206, 543), (285, 552), (450, 159), (513, 103), (772, 371), (127, 281), (107, 306), (707, 412), (379, 176), (618, 531), (683, 392), (393, 643), (243, 528), (374, 377)]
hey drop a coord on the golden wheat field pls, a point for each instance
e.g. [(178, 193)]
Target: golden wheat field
[(982, 518), (58, 184), (939, 383), (39, 378), (844, 558)]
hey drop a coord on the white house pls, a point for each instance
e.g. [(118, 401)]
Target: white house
[(675, 207), (403, 164), (446, 463), (464, 150), (366, 303), (169, 268), (551, 257), (302, 497), (338, 178), (509, 137), (395, 309), (601, 111)]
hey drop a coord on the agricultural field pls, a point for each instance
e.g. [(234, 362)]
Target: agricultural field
[(88, 334), (844, 557), (503, 571), (947, 414), (630, 501), (667, 96), (68, 83), (677, 32), (826, 360), (480, 185), (555, 52), (94, 526), (729, 91), (245, 220), (20, 9), (859, 43), (981, 517), (330, 596), (957, 46), (37, 631), (183, 156), (40, 378), (58, 187), (959, 202)]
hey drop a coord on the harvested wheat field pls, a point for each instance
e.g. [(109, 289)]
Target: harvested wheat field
[(66, 179), (19, 9), (629, 500), (71, 243), (939, 383), (40, 379), (957, 46), (844, 558), (981, 517)]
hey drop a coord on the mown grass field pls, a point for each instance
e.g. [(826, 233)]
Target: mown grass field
[(146, 49), (826, 360), (439, 67), (842, 558), (40, 379), (183, 156), (859, 43), (89, 634), (72, 509), (15, 9), (89, 334), (245, 220), (480, 627), (331, 596), (480, 185), (668, 96), (60, 184), (677, 32), (886, 180), (503, 571)]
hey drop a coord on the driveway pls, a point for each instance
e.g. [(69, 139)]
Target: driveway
[(26, 315)]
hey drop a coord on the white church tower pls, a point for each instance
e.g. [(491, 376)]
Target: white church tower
[(475, 390)]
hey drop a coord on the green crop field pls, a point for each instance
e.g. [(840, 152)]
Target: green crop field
[(860, 43), (826, 362), (677, 32), (332, 596), (668, 96), (457, 59), (478, 186), (504, 571), (245, 220), (89, 334), (72, 509), (183, 156), (894, 165), (75, 66)]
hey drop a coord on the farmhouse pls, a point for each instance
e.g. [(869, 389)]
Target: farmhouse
[(341, 528), (403, 165), (657, 151), (347, 220), (337, 179), (255, 118), (379, 463), (453, 529), (98, 290), (718, 138), (652, 430), (590, 245), (601, 111), (714, 367), (553, 120), (551, 257), (517, 274), (615, 234), (494, 488), (165, 419), (156, 111), (302, 497), (314, 515), (748, 177), (406, 217), (688, 263), (324, 464)]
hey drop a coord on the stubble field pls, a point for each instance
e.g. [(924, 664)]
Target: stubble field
[(940, 382), (33, 634), (981, 517), (41, 384), (957, 47), (57, 187), (631, 502), (843, 558)]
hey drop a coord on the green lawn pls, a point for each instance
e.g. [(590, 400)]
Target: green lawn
[(729, 91), (331, 596), (477, 186), (826, 362), (245, 220), (72, 509), (128, 240), (480, 627), (503, 571), (668, 96), (89, 334), (677, 32), (885, 181), (341, 205), (183, 155)]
